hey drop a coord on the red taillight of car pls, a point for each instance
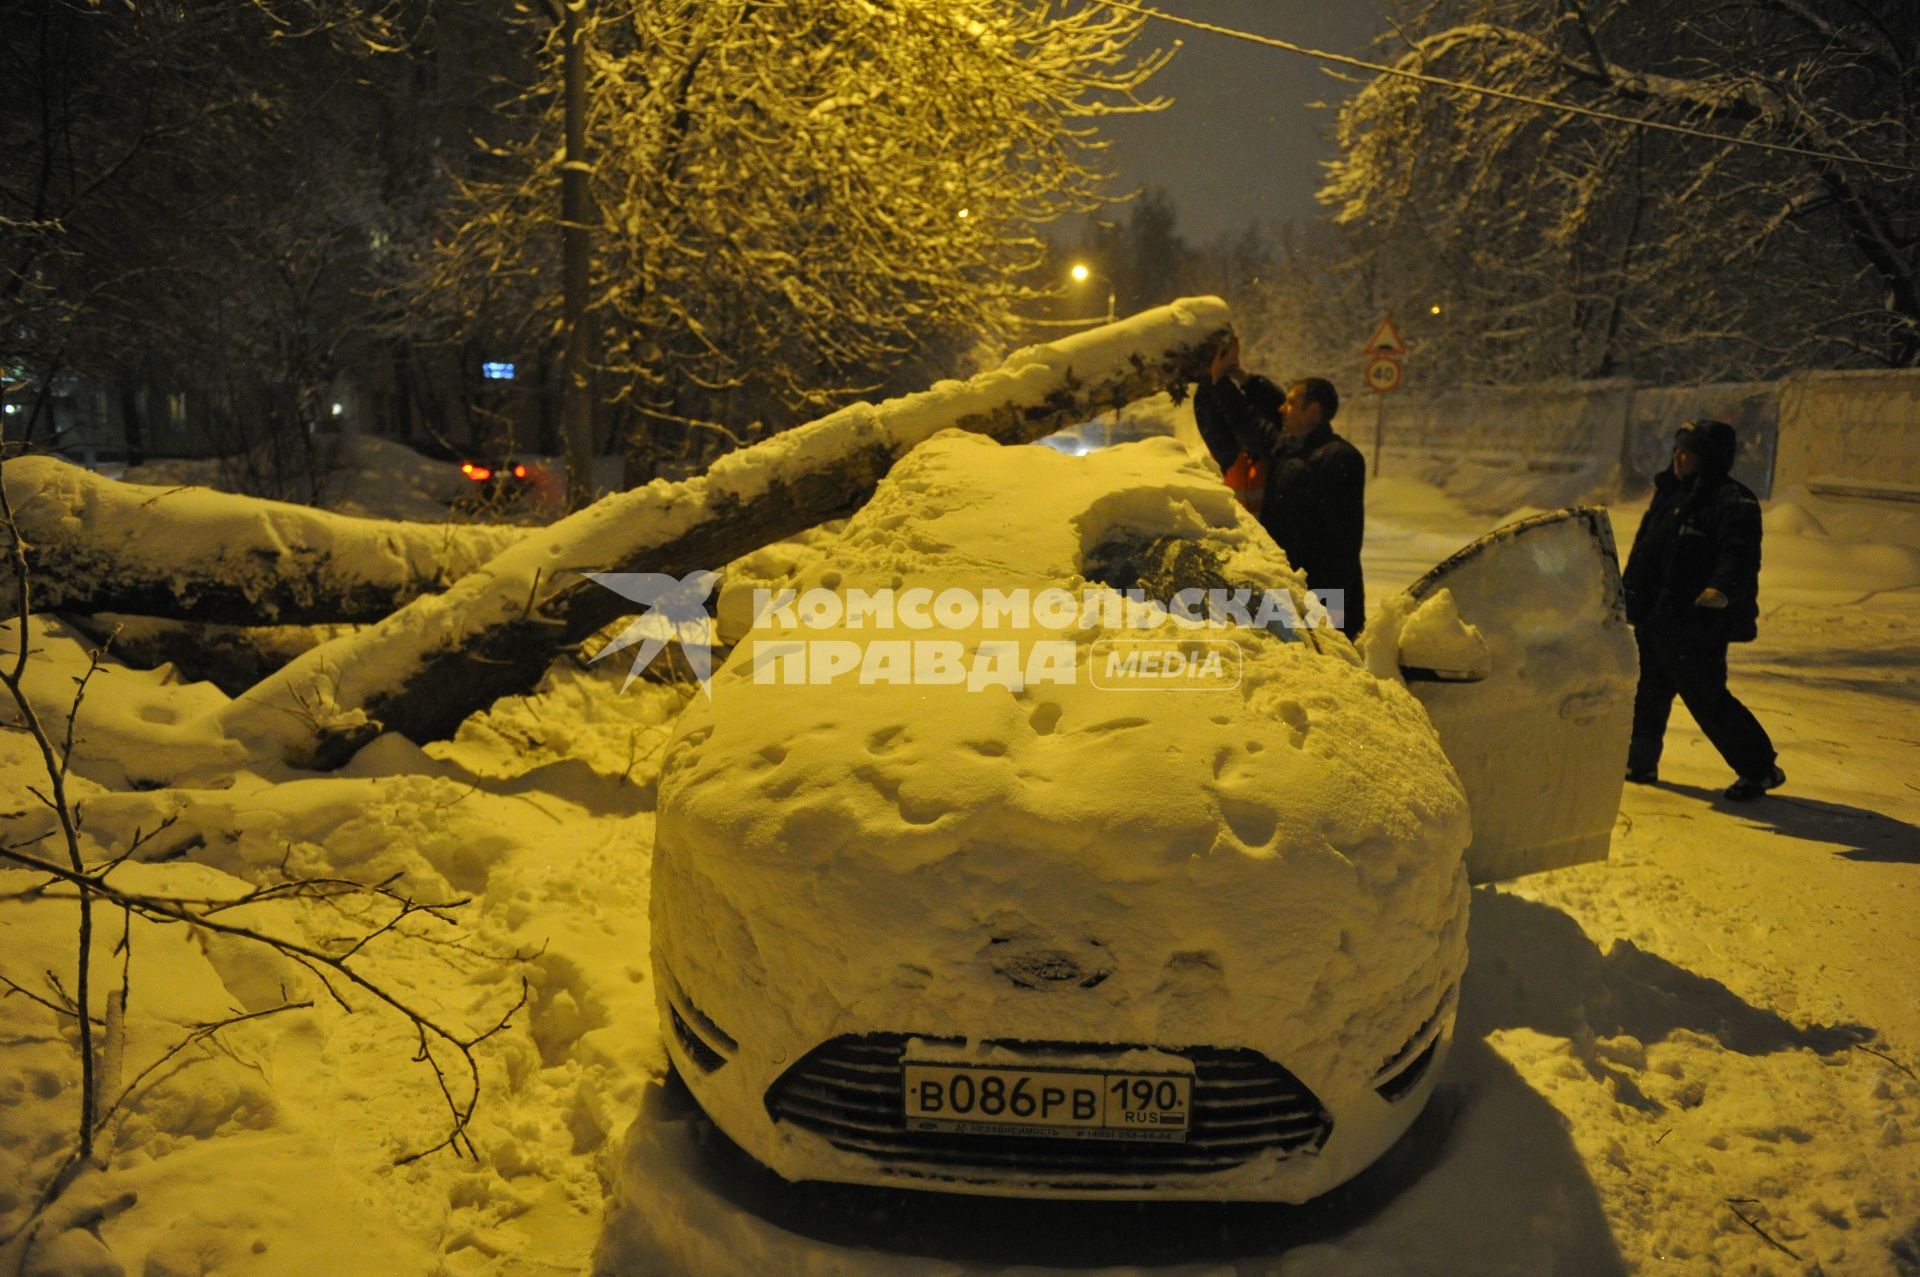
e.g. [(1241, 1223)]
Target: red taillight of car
[(479, 474), (519, 472)]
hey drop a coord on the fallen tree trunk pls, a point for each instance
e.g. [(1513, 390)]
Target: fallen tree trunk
[(193, 554), (231, 657), (423, 670)]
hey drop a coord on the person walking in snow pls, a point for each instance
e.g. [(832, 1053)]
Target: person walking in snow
[(1313, 503), (1692, 587)]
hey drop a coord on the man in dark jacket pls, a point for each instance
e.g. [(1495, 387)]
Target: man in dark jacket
[(1693, 586), (1314, 502)]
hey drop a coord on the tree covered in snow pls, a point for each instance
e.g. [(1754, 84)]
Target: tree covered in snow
[(1302, 299), (792, 200), (1563, 244)]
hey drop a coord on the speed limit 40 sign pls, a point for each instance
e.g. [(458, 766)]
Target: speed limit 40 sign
[(1383, 373)]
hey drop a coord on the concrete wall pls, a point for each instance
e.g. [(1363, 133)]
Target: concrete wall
[(1498, 447), (1655, 413), (1851, 434), (1840, 436)]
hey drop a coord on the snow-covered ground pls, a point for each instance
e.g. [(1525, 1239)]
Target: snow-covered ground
[(1696, 1057)]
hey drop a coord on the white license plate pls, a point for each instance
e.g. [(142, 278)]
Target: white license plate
[(1058, 1103)]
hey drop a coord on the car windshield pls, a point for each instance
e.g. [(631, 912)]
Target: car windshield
[(976, 523)]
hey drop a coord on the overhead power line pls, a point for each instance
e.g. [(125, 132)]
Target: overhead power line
[(1322, 55)]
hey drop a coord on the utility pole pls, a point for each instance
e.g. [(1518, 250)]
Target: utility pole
[(576, 213)]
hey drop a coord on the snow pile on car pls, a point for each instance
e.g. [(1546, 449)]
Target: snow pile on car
[(930, 854)]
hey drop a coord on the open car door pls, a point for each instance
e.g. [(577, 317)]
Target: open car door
[(1541, 741)]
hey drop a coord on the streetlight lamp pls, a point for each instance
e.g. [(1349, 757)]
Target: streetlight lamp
[(1081, 271)]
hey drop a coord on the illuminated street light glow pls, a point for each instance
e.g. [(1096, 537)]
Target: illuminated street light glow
[(1081, 272)]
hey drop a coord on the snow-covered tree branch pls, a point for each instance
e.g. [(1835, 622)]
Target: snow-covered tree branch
[(1564, 243), (193, 554), (430, 665)]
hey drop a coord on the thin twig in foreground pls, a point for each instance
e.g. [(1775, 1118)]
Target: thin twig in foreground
[(1733, 1204), (160, 908), (200, 1034), (49, 1004), (1889, 1059)]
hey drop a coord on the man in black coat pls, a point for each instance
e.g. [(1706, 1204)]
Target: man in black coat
[(1314, 501), (1692, 587)]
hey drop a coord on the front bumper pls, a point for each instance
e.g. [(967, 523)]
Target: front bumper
[(1257, 1132)]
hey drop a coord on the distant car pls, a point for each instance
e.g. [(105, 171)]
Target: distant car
[(1085, 937), (492, 478), (502, 483)]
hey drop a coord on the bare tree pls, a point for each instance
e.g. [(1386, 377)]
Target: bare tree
[(789, 199), (1666, 239), (196, 203)]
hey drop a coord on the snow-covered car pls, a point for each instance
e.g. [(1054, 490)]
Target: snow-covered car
[(1085, 927)]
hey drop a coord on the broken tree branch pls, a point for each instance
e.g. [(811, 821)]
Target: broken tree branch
[(423, 670), (99, 545)]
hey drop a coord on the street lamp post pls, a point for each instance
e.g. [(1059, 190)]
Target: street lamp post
[(1081, 272)]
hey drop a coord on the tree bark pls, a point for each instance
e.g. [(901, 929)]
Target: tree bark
[(231, 657), (576, 248), (133, 422), (426, 668), (192, 554)]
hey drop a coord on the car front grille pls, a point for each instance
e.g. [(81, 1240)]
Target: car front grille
[(1404, 1068), (850, 1091), (704, 1056), (705, 1043), (1401, 1084)]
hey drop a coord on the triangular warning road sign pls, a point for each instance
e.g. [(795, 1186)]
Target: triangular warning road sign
[(1385, 339)]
